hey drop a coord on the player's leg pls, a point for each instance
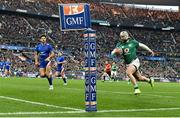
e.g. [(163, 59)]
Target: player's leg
[(113, 75), (42, 69), (10, 73), (42, 72), (5, 73), (49, 74), (138, 76), (7, 69), (130, 70), (57, 74), (63, 76), (109, 75), (103, 77)]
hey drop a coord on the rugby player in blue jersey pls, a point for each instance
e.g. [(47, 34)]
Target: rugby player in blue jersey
[(60, 61), (2, 67), (43, 55), (7, 68)]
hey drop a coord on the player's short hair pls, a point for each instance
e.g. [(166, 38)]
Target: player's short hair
[(60, 52), (43, 35)]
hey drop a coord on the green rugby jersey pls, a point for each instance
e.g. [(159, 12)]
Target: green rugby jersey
[(129, 50)]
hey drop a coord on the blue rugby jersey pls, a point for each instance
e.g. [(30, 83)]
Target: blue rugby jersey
[(44, 50), (60, 59)]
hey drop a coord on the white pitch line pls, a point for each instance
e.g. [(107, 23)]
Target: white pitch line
[(40, 113), (38, 103), (136, 110), (129, 93), (82, 111), (164, 92), (159, 95)]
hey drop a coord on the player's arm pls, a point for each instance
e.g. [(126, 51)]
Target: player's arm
[(63, 62), (51, 55), (117, 50), (145, 47), (36, 58)]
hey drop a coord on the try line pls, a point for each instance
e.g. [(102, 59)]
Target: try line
[(38, 103), (82, 111)]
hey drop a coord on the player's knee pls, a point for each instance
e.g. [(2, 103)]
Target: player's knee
[(63, 75), (58, 75), (129, 73), (47, 72), (42, 75)]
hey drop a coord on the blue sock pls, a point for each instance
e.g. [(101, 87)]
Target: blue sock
[(49, 80)]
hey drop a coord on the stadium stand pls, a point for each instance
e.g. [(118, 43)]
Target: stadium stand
[(24, 31)]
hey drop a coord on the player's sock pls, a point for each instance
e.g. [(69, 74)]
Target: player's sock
[(129, 81), (64, 79), (49, 80), (149, 80), (136, 86), (112, 78), (136, 89), (104, 78)]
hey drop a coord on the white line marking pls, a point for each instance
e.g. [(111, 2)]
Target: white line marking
[(39, 113), (164, 92), (38, 103), (135, 110), (82, 111), (129, 93), (159, 95)]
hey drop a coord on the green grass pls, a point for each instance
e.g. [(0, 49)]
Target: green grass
[(110, 95)]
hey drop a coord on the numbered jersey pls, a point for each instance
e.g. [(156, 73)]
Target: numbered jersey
[(129, 50)]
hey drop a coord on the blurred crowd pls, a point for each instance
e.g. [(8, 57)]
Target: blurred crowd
[(25, 31), (20, 65), (101, 11)]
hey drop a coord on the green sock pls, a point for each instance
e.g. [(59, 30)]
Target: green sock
[(136, 86)]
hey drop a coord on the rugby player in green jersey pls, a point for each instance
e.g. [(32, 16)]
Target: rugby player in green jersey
[(127, 47), (114, 71)]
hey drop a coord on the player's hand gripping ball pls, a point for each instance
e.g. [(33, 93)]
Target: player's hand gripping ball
[(117, 51)]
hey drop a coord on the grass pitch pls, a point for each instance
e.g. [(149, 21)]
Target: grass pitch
[(31, 97)]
